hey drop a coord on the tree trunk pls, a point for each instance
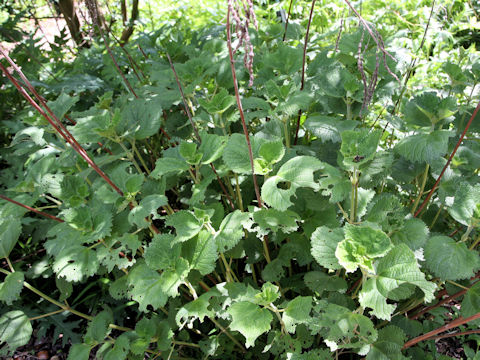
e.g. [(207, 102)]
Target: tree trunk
[(67, 8), (128, 31)]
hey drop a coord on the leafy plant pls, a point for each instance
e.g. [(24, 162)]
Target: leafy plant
[(330, 208)]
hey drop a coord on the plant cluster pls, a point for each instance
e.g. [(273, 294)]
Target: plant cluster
[(162, 200)]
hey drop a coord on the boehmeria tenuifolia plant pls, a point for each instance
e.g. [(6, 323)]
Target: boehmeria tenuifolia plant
[(240, 243)]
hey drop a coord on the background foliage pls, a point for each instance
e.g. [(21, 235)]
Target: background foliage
[(345, 225)]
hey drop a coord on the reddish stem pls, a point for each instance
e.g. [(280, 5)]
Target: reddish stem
[(286, 21), (303, 68), (453, 324), (427, 199), (240, 109), (195, 130), (31, 209), (458, 333)]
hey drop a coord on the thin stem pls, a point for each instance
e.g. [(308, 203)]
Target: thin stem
[(303, 68), (427, 199), (31, 209), (130, 156), (437, 215), (229, 335), (240, 109), (477, 240), (10, 264), (286, 21), (46, 315), (422, 187), (140, 157)]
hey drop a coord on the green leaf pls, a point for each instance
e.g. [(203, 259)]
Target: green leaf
[(359, 146), (361, 245), (148, 206), (334, 184), (65, 288), (327, 128), (219, 103), (274, 220), (15, 331), (414, 233), (11, 287), (74, 190), (450, 260), (398, 267), (319, 281), (424, 147), (203, 252), (98, 328), (388, 345), (168, 165), (235, 155), (471, 301), (120, 348), (189, 152), (160, 253), (76, 262), (185, 223), (428, 109), (231, 230), (62, 104), (295, 173), (243, 313), (466, 204), (141, 118), (272, 151), (211, 147), (148, 287), (297, 312), (269, 294), (79, 352), (197, 309), (10, 230), (324, 245)]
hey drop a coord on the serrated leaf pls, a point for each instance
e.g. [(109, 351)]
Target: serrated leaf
[(160, 253), (471, 301), (211, 147), (120, 348), (79, 352), (450, 260), (327, 128), (189, 152), (148, 206), (424, 147), (62, 104), (168, 165), (231, 230), (428, 109), (65, 288), (359, 146), (242, 314), (11, 287), (361, 245), (235, 155), (269, 294), (140, 118), (197, 309), (297, 312), (219, 103), (10, 229), (98, 328), (399, 266), (334, 184), (319, 281), (295, 173), (414, 233), (203, 252), (185, 223), (272, 151), (388, 345), (15, 331), (274, 220), (466, 204), (74, 190), (324, 245), (75, 263)]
